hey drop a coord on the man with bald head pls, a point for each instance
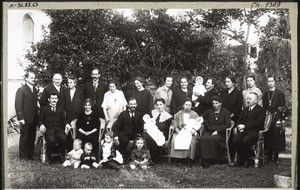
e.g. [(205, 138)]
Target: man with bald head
[(56, 87), (251, 121)]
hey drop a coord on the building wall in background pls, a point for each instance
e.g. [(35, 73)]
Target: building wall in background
[(24, 28)]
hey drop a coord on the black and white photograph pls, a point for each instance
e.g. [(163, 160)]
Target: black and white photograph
[(131, 95)]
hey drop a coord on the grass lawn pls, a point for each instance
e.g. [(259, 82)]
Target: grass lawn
[(33, 174)]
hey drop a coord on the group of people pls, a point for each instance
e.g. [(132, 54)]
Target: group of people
[(137, 130)]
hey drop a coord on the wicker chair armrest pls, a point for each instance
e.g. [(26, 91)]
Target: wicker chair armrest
[(261, 134)]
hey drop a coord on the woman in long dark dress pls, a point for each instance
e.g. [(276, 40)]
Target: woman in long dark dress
[(163, 121), (88, 125), (212, 142), (232, 98), (143, 97), (73, 105), (275, 137), (233, 102)]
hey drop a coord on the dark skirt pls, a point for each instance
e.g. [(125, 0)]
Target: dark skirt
[(154, 149), (275, 138), (212, 146)]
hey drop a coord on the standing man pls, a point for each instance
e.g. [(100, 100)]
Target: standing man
[(128, 125), (27, 114), (53, 123), (251, 87), (204, 103), (56, 87), (180, 95), (165, 92), (250, 123), (73, 105), (95, 90)]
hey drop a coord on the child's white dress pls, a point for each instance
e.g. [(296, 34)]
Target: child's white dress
[(155, 133), (199, 89), (106, 152), (74, 158)]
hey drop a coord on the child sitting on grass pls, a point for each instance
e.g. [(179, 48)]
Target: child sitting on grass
[(140, 156), (110, 157), (73, 157), (88, 159)]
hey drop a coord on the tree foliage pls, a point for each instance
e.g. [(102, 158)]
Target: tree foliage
[(151, 44), (275, 54)]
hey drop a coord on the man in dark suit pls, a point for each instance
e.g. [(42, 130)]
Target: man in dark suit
[(27, 114), (128, 125), (95, 90), (53, 123), (56, 87), (73, 105), (204, 103), (251, 121)]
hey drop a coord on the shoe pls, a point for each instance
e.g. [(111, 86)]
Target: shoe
[(32, 158), (47, 163), (204, 163), (247, 164), (238, 164)]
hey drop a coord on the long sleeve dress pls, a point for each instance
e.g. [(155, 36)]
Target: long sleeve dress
[(212, 146), (88, 123), (114, 103), (144, 101), (275, 137), (179, 122)]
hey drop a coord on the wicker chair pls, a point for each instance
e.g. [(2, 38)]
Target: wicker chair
[(259, 147), (73, 134)]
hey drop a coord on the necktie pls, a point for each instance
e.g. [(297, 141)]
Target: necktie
[(247, 114), (53, 109), (95, 86), (157, 119), (132, 119)]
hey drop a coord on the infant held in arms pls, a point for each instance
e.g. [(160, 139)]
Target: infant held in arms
[(184, 137), (153, 130)]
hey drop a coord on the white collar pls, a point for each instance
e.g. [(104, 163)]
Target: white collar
[(163, 115)]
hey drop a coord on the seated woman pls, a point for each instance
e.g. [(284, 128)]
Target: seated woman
[(88, 125), (212, 142), (113, 104), (162, 121), (186, 120)]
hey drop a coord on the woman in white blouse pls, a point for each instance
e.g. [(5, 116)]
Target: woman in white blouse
[(113, 104)]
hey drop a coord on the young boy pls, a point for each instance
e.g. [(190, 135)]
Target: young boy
[(74, 155), (88, 159), (140, 156)]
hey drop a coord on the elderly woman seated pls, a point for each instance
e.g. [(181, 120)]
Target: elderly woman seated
[(212, 142), (185, 138)]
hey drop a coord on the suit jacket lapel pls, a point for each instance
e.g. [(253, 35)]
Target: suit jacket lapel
[(32, 93)]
